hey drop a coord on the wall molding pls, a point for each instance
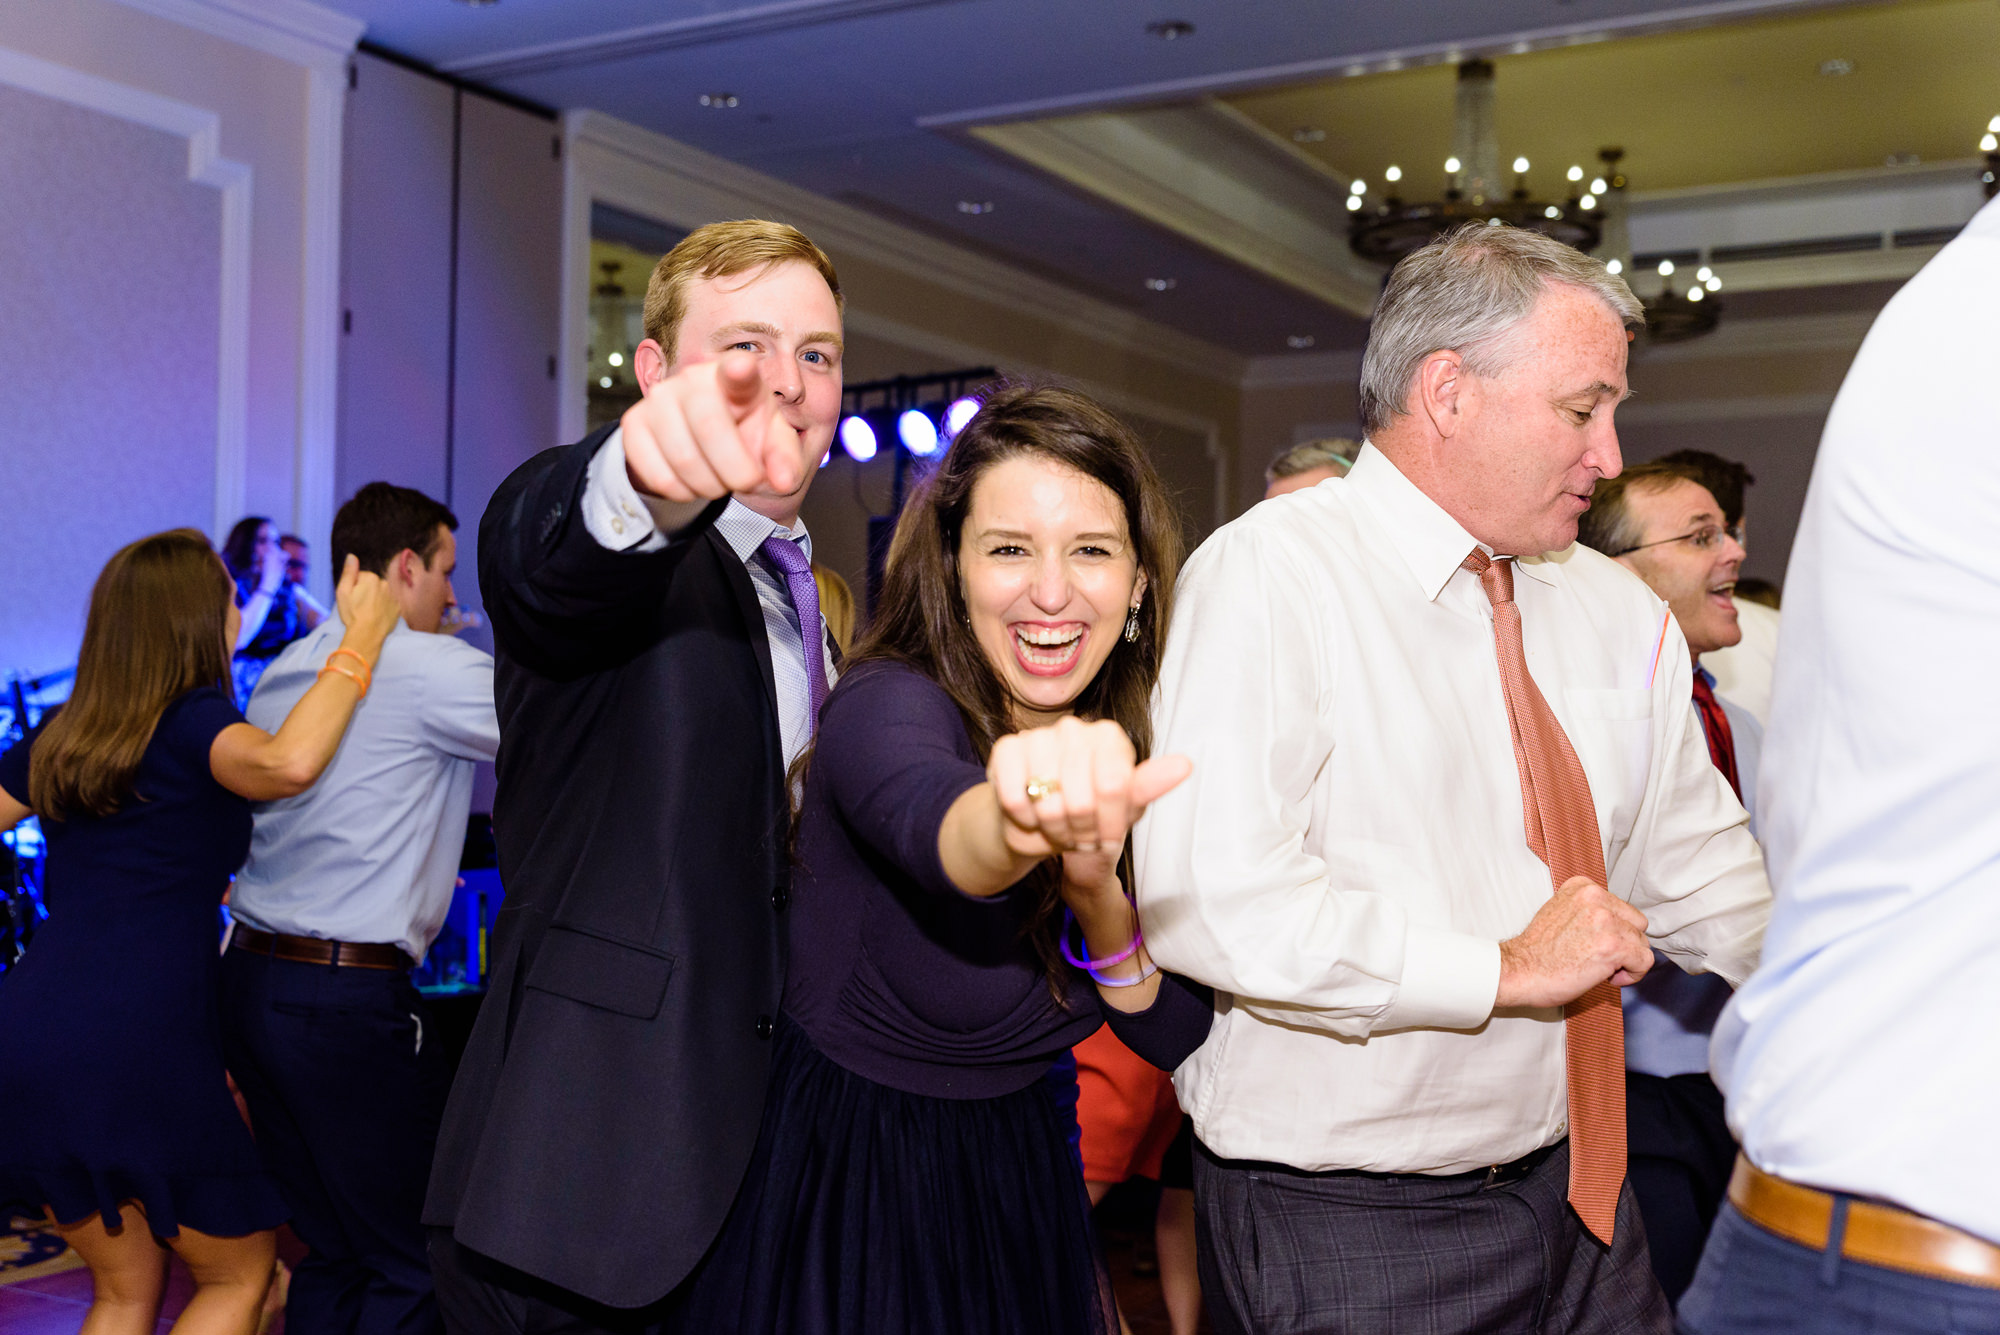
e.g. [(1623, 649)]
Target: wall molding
[(1781, 335), (292, 30), (623, 165), (206, 166), (320, 40), (1746, 408), (697, 30)]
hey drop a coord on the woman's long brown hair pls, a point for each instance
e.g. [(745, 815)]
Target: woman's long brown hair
[(921, 619), (157, 630)]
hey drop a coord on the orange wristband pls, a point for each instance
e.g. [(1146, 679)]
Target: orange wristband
[(361, 678)]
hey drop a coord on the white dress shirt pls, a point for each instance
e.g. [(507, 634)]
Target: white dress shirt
[(371, 851), (1350, 851), (618, 519), (1864, 1056), (1742, 672)]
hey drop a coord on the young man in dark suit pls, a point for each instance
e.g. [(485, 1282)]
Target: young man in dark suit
[(660, 661)]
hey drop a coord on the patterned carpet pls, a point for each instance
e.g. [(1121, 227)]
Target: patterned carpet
[(29, 1250)]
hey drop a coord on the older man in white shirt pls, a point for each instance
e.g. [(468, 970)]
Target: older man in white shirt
[(1447, 795), (1859, 1062)]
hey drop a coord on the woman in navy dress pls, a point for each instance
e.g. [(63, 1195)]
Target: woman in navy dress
[(960, 841), (119, 1122)]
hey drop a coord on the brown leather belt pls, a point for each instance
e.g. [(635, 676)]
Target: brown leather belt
[(1876, 1234), (313, 950)]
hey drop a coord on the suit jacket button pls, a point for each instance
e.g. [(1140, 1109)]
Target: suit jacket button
[(763, 1026), (780, 897)]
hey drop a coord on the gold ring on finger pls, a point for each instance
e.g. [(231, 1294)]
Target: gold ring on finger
[(1041, 788)]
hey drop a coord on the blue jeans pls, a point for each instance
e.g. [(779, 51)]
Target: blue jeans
[(1754, 1281)]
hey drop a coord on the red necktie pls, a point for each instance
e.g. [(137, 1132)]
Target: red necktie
[(1562, 830), (1715, 725)]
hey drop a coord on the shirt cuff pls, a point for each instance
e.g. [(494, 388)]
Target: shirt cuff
[(613, 512), (1449, 982)]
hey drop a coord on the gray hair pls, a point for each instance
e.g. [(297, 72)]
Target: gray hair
[(1465, 292), (1333, 452)]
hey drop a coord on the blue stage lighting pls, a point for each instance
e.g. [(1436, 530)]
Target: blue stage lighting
[(956, 416), (858, 439), (918, 433)]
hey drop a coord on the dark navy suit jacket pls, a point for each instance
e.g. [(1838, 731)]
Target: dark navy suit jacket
[(610, 1095)]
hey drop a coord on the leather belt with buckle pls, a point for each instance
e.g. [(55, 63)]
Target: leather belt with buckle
[(1877, 1234), (314, 950)]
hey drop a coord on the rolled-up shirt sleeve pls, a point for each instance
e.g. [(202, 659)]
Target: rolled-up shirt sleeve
[(1229, 892)]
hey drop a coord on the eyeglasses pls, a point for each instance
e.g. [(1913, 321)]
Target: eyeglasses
[(1704, 539)]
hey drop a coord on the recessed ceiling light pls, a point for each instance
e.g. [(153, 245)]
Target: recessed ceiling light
[(1162, 284), (1902, 160), (1170, 30), (1299, 342), (478, 4), (720, 101), (975, 206), (1308, 134), (1836, 67)]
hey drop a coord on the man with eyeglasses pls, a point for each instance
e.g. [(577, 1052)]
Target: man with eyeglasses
[(1661, 521)]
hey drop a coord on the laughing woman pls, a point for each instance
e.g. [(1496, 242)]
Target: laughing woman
[(960, 855)]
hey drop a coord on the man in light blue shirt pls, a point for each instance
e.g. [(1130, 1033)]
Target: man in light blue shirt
[(345, 888)]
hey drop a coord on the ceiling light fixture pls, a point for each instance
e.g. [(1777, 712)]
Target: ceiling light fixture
[(479, 4), (1162, 284), (1170, 30), (1988, 143), (975, 206), (1299, 342), (719, 101), (1386, 231), (1308, 134), (1836, 67), (1393, 174)]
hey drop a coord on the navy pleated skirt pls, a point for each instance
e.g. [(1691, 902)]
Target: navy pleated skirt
[(868, 1210)]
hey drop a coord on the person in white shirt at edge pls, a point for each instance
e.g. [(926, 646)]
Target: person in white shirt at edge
[(1662, 521), (1381, 1107), (1860, 1061), (345, 888)]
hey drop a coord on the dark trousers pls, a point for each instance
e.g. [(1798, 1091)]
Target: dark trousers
[(480, 1296), (1751, 1281), (345, 1095), (1681, 1154), (1284, 1252)]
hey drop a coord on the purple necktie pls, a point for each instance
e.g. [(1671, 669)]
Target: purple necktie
[(798, 572)]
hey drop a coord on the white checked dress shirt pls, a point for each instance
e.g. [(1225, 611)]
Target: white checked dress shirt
[(1350, 851), (1864, 1056), (614, 515)]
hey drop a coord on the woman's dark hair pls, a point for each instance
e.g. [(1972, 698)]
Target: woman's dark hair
[(157, 630), (920, 618), (241, 542)]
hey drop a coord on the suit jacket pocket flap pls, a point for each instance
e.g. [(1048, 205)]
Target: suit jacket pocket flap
[(617, 975)]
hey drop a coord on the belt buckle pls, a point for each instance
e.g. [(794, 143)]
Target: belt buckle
[(1492, 1177)]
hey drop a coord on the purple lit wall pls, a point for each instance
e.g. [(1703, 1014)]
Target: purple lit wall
[(109, 280)]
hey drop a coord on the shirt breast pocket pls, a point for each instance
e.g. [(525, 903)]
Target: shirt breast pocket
[(1613, 736)]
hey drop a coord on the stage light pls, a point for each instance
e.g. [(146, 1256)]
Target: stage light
[(858, 439), (956, 416), (918, 433)]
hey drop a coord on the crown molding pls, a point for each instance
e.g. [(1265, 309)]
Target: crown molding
[(1781, 335), (1747, 408), (696, 30), (691, 188), (294, 30)]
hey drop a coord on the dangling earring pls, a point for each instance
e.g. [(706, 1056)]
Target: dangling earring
[(1132, 625)]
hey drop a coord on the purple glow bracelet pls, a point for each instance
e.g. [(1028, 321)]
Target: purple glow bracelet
[(1091, 966)]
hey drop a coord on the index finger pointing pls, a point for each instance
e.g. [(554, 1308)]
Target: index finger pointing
[(740, 379)]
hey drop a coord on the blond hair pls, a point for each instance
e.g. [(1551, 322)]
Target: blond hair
[(722, 250)]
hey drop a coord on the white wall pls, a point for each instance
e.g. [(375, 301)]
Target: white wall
[(206, 388)]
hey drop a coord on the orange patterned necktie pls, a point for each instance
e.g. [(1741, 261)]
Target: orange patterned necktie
[(1562, 831)]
